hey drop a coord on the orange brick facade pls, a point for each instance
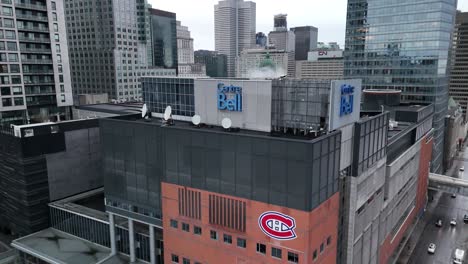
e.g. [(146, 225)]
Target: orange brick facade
[(391, 243), (316, 231)]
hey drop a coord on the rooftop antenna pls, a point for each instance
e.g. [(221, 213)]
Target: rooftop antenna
[(196, 119), (168, 115), (226, 123)]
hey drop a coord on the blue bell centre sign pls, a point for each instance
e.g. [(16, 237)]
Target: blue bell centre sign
[(229, 98), (345, 103)]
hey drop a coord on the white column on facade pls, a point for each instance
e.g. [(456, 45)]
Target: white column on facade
[(131, 238), (112, 234), (152, 245)]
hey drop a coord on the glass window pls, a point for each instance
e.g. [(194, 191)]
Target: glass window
[(3, 68), (186, 261), (57, 48), (62, 97), (60, 69), (55, 27), (2, 44), (321, 248), (62, 88), (17, 90), (328, 240), (276, 252), (314, 256), (10, 34), (8, 23), (12, 46), (175, 258), (54, 6), (197, 230), (261, 248), (213, 235), (14, 68), (3, 57), (227, 239), (5, 91), (293, 257), (173, 223), (7, 11), (18, 101), (57, 37), (13, 57), (16, 79), (4, 79), (242, 243), (7, 102), (186, 227), (61, 78), (54, 16), (59, 58)]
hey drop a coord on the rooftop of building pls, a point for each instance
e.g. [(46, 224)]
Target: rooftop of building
[(54, 246), (110, 108)]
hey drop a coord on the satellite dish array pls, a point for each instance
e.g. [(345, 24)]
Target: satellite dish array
[(196, 119)]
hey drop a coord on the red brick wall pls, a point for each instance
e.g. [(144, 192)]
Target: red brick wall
[(389, 246), (312, 229)]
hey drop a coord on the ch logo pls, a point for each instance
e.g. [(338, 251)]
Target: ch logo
[(277, 225)]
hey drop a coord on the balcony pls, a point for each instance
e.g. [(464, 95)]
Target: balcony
[(34, 50), (30, 6), (34, 29), (36, 61), (49, 72), (34, 40), (31, 18)]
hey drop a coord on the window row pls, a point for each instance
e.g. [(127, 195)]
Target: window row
[(7, 91), (15, 79), (278, 253), (9, 102)]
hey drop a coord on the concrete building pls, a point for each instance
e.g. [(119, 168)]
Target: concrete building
[(235, 28), (110, 46), (262, 63), (321, 64), (455, 132), (282, 39), (187, 65), (34, 67), (306, 40), (459, 61), (374, 45), (215, 63)]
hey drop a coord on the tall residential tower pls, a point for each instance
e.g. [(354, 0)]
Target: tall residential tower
[(234, 29), (459, 61), (403, 45), (34, 70)]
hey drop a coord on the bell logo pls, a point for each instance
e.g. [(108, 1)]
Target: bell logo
[(277, 225)]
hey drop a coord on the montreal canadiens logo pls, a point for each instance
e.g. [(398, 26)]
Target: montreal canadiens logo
[(277, 225)]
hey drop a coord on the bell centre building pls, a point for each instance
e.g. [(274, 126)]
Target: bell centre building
[(258, 171)]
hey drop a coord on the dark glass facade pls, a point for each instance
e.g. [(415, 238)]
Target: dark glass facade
[(216, 64), (306, 40), (164, 34), (403, 45), (159, 93), (138, 156), (261, 39)]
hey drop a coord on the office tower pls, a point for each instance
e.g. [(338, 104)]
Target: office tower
[(110, 46), (411, 56), (283, 39), (34, 69), (235, 24), (261, 39), (306, 40), (323, 64), (164, 37), (187, 66), (216, 64), (459, 59)]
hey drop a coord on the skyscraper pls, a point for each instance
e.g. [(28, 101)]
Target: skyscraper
[(459, 68), (235, 24), (34, 69), (164, 38), (306, 40), (186, 60), (110, 47), (216, 64), (282, 39), (403, 46)]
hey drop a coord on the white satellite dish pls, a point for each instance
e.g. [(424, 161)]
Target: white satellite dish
[(226, 123), (168, 113), (144, 111), (196, 119)]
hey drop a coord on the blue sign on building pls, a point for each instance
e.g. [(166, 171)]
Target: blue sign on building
[(229, 98), (347, 99)]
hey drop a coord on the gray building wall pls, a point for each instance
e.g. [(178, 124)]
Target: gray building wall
[(78, 168), (306, 40)]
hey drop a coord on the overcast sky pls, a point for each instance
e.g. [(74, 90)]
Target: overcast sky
[(329, 16)]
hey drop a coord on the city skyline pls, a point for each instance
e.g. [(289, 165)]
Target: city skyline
[(330, 19)]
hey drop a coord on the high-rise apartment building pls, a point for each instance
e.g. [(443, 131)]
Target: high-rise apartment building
[(164, 38), (306, 40), (216, 64), (411, 56), (235, 24), (110, 46), (459, 62), (34, 68)]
